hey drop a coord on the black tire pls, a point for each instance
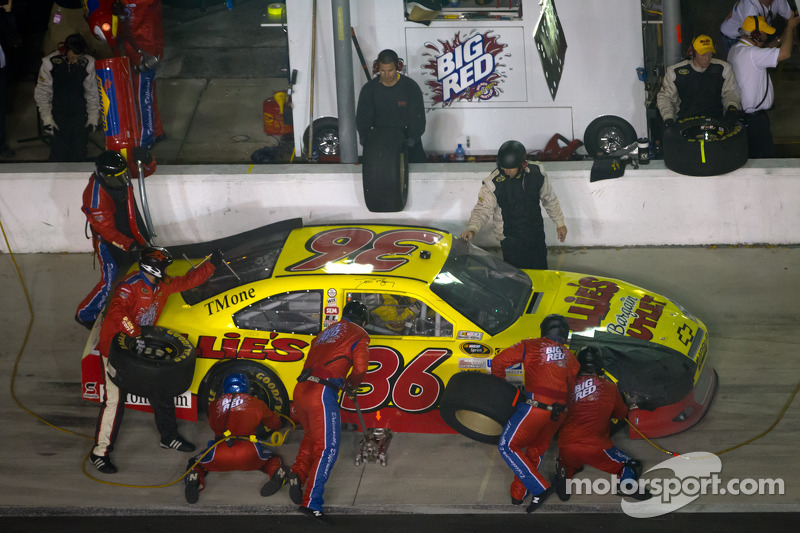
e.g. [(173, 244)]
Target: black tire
[(326, 138), (264, 384), (704, 146), (607, 134), (165, 367), (384, 171), (478, 405)]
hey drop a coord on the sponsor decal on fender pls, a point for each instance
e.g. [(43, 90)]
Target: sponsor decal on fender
[(232, 346), (476, 349)]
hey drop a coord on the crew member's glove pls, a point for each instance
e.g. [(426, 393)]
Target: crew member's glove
[(669, 123), (731, 115), (263, 432), (216, 258), (410, 143), (350, 391), (139, 345), (144, 155), (49, 128)]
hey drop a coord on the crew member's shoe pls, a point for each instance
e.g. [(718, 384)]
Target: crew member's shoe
[(103, 463), (274, 483), (538, 500), (638, 495), (178, 443), (319, 516), (192, 491), (295, 488), (560, 483)]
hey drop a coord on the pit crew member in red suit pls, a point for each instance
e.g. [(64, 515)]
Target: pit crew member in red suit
[(140, 37), (138, 301), (549, 370), (117, 230), (237, 413), (584, 437), (341, 346), (143, 35)]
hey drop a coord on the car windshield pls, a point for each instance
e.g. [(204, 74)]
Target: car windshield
[(484, 289), (251, 256)]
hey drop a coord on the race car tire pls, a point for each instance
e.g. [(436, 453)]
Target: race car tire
[(264, 385), (607, 134), (478, 405), (326, 139), (690, 152), (384, 171), (165, 367)]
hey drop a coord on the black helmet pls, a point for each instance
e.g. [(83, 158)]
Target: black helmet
[(356, 312), (112, 170), (154, 260), (590, 359), (556, 328), (511, 155)]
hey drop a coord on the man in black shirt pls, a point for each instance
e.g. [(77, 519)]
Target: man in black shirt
[(392, 100)]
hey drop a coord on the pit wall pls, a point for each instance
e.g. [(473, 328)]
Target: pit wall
[(652, 206)]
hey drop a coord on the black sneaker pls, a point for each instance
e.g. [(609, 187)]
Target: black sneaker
[(178, 443), (319, 516), (85, 323), (560, 482), (295, 488), (538, 500), (274, 483), (103, 463), (192, 491)]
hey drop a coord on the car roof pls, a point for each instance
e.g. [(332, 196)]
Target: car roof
[(414, 252)]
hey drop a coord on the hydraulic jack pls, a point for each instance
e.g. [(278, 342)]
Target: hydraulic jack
[(374, 445)]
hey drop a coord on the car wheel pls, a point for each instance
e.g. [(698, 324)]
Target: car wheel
[(326, 138), (704, 146), (165, 367), (384, 171), (478, 405), (607, 134), (264, 385)]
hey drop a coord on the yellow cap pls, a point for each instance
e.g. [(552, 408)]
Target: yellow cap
[(750, 24), (703, 44)]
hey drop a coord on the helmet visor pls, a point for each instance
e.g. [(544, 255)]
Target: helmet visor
[(115, 180)]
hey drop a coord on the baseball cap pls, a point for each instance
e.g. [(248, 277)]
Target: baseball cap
[(703, 44), (749, 25)]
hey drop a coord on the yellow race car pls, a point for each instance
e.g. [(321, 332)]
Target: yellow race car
[(438, 305)]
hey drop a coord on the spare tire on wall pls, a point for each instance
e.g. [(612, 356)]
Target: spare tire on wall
[(478, 405), (384, 170), (165, 367), (607, 134), (704, 146)]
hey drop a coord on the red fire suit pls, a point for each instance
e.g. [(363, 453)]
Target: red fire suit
[(550, 371), (115, 228), (341, 346), (136, 303), (584, 436), (143, 33), (241, 414)]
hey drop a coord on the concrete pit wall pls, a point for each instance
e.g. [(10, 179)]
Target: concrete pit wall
[(651, 206)]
